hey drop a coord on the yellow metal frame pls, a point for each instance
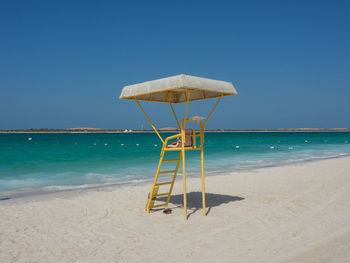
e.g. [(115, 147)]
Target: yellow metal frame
[(172, 109), (155, 187), (154, 128)]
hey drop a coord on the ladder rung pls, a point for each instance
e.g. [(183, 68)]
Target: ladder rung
[(155, 206), (167, 172), (164, 194), (170, 160), (164, 183)]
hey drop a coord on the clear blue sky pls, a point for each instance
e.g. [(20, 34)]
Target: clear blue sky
[(64, 63)]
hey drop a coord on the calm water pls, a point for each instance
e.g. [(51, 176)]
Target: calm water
[(52, 161)]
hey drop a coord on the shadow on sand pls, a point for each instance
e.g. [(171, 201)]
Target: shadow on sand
[(194, 201)]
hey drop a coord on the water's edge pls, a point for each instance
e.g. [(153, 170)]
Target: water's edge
[(46, 192)]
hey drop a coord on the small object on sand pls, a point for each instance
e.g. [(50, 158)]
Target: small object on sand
[(167, 211)]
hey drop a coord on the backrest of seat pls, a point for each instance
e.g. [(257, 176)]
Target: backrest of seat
[(188, 138)]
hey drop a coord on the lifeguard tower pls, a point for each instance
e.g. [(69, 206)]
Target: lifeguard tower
[(173, 90)]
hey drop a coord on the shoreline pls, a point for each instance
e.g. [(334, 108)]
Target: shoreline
[(35, 193), (293, 213)]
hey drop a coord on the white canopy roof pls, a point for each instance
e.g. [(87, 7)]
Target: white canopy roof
[(173, 89)]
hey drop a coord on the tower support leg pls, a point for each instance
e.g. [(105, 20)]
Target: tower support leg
[(184, 177), (203, 185)]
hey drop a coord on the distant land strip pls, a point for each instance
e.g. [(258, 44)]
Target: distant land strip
[(168, 129)]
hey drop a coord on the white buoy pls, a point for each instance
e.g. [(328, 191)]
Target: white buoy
[(290, 148), (30, 138), (156, 145), (122, 144), (237, 146), (306, 141), (272, 147), (106, 144), (137, 144), (95, 144)]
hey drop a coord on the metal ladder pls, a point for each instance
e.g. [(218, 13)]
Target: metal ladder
[(152, 197)]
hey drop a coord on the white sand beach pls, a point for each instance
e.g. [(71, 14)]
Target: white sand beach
[(295, 213)]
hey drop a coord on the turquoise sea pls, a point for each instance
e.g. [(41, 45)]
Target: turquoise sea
[(64, 161)]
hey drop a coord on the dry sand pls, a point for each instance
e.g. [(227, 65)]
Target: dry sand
[(296, 213)]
